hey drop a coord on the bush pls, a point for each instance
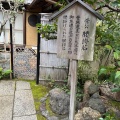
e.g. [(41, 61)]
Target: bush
[(4, 73)]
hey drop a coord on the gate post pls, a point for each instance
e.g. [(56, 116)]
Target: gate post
[(11, 45), (38, 59), (38, 54)]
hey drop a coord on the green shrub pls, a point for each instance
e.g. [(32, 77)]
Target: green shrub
[(4, 73), (108, 116)]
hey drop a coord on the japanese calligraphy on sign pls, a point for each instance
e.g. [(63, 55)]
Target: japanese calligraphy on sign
[(64, 32), (76, 34), (71, 18), (85, 35)]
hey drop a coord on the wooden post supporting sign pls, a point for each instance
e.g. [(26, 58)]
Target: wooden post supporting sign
[(73, 89)]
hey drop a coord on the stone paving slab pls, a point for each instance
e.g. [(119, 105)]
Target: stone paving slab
[(7, 87), (31, 117), (22, 85), (24, 103), (6, 107)]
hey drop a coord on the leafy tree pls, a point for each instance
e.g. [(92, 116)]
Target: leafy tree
[(108, 38)]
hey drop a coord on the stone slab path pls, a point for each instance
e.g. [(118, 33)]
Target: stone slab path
[(16, 101)]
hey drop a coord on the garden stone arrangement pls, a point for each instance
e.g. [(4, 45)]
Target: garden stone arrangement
[(97, 100), (16, 101), (59, 102)]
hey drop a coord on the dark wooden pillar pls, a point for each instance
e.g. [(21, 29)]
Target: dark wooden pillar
[(38, 54), (11, 45)]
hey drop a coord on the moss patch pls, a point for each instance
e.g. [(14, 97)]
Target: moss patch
[(48, 108), (38, 92), (115, 104), (40, 117)]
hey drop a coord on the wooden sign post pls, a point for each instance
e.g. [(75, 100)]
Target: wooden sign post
[(73, 89), (75, 39)]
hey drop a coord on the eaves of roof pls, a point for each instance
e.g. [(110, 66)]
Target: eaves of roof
[(54, 16), (42, 6)]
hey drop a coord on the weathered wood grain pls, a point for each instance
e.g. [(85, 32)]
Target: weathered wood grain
[(51, 67), (73, 89)]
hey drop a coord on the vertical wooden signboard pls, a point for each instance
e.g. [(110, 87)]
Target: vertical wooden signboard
[(76, 34), (75, 39)]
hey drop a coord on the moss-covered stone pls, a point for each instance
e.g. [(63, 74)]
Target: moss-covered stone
[(48, 108), (114, 109), (114, 104)]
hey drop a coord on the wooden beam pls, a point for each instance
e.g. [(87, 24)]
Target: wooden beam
[(24, 27), (53, 2)]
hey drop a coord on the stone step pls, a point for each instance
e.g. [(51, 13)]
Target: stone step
[(7, 87), (31, 117), (23, 103), (6, 107), (22, 85)]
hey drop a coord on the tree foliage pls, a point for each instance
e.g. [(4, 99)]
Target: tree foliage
[(48, 31), (108, 37)]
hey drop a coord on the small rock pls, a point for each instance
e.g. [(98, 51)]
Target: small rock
[(97, 104), (112, 106), (52, 118), (59, 101), (82, 105), (114, 111), (95, 95), (43, 110), (45, 114), (117, 113), (67, 118), (43, 99), (106, 91), (43, 107), (87, 113), (86, 93), (46, 95), (93, 89)]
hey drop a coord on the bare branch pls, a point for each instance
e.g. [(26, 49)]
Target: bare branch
[(67, 1), (10, 14), (109, 7)]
